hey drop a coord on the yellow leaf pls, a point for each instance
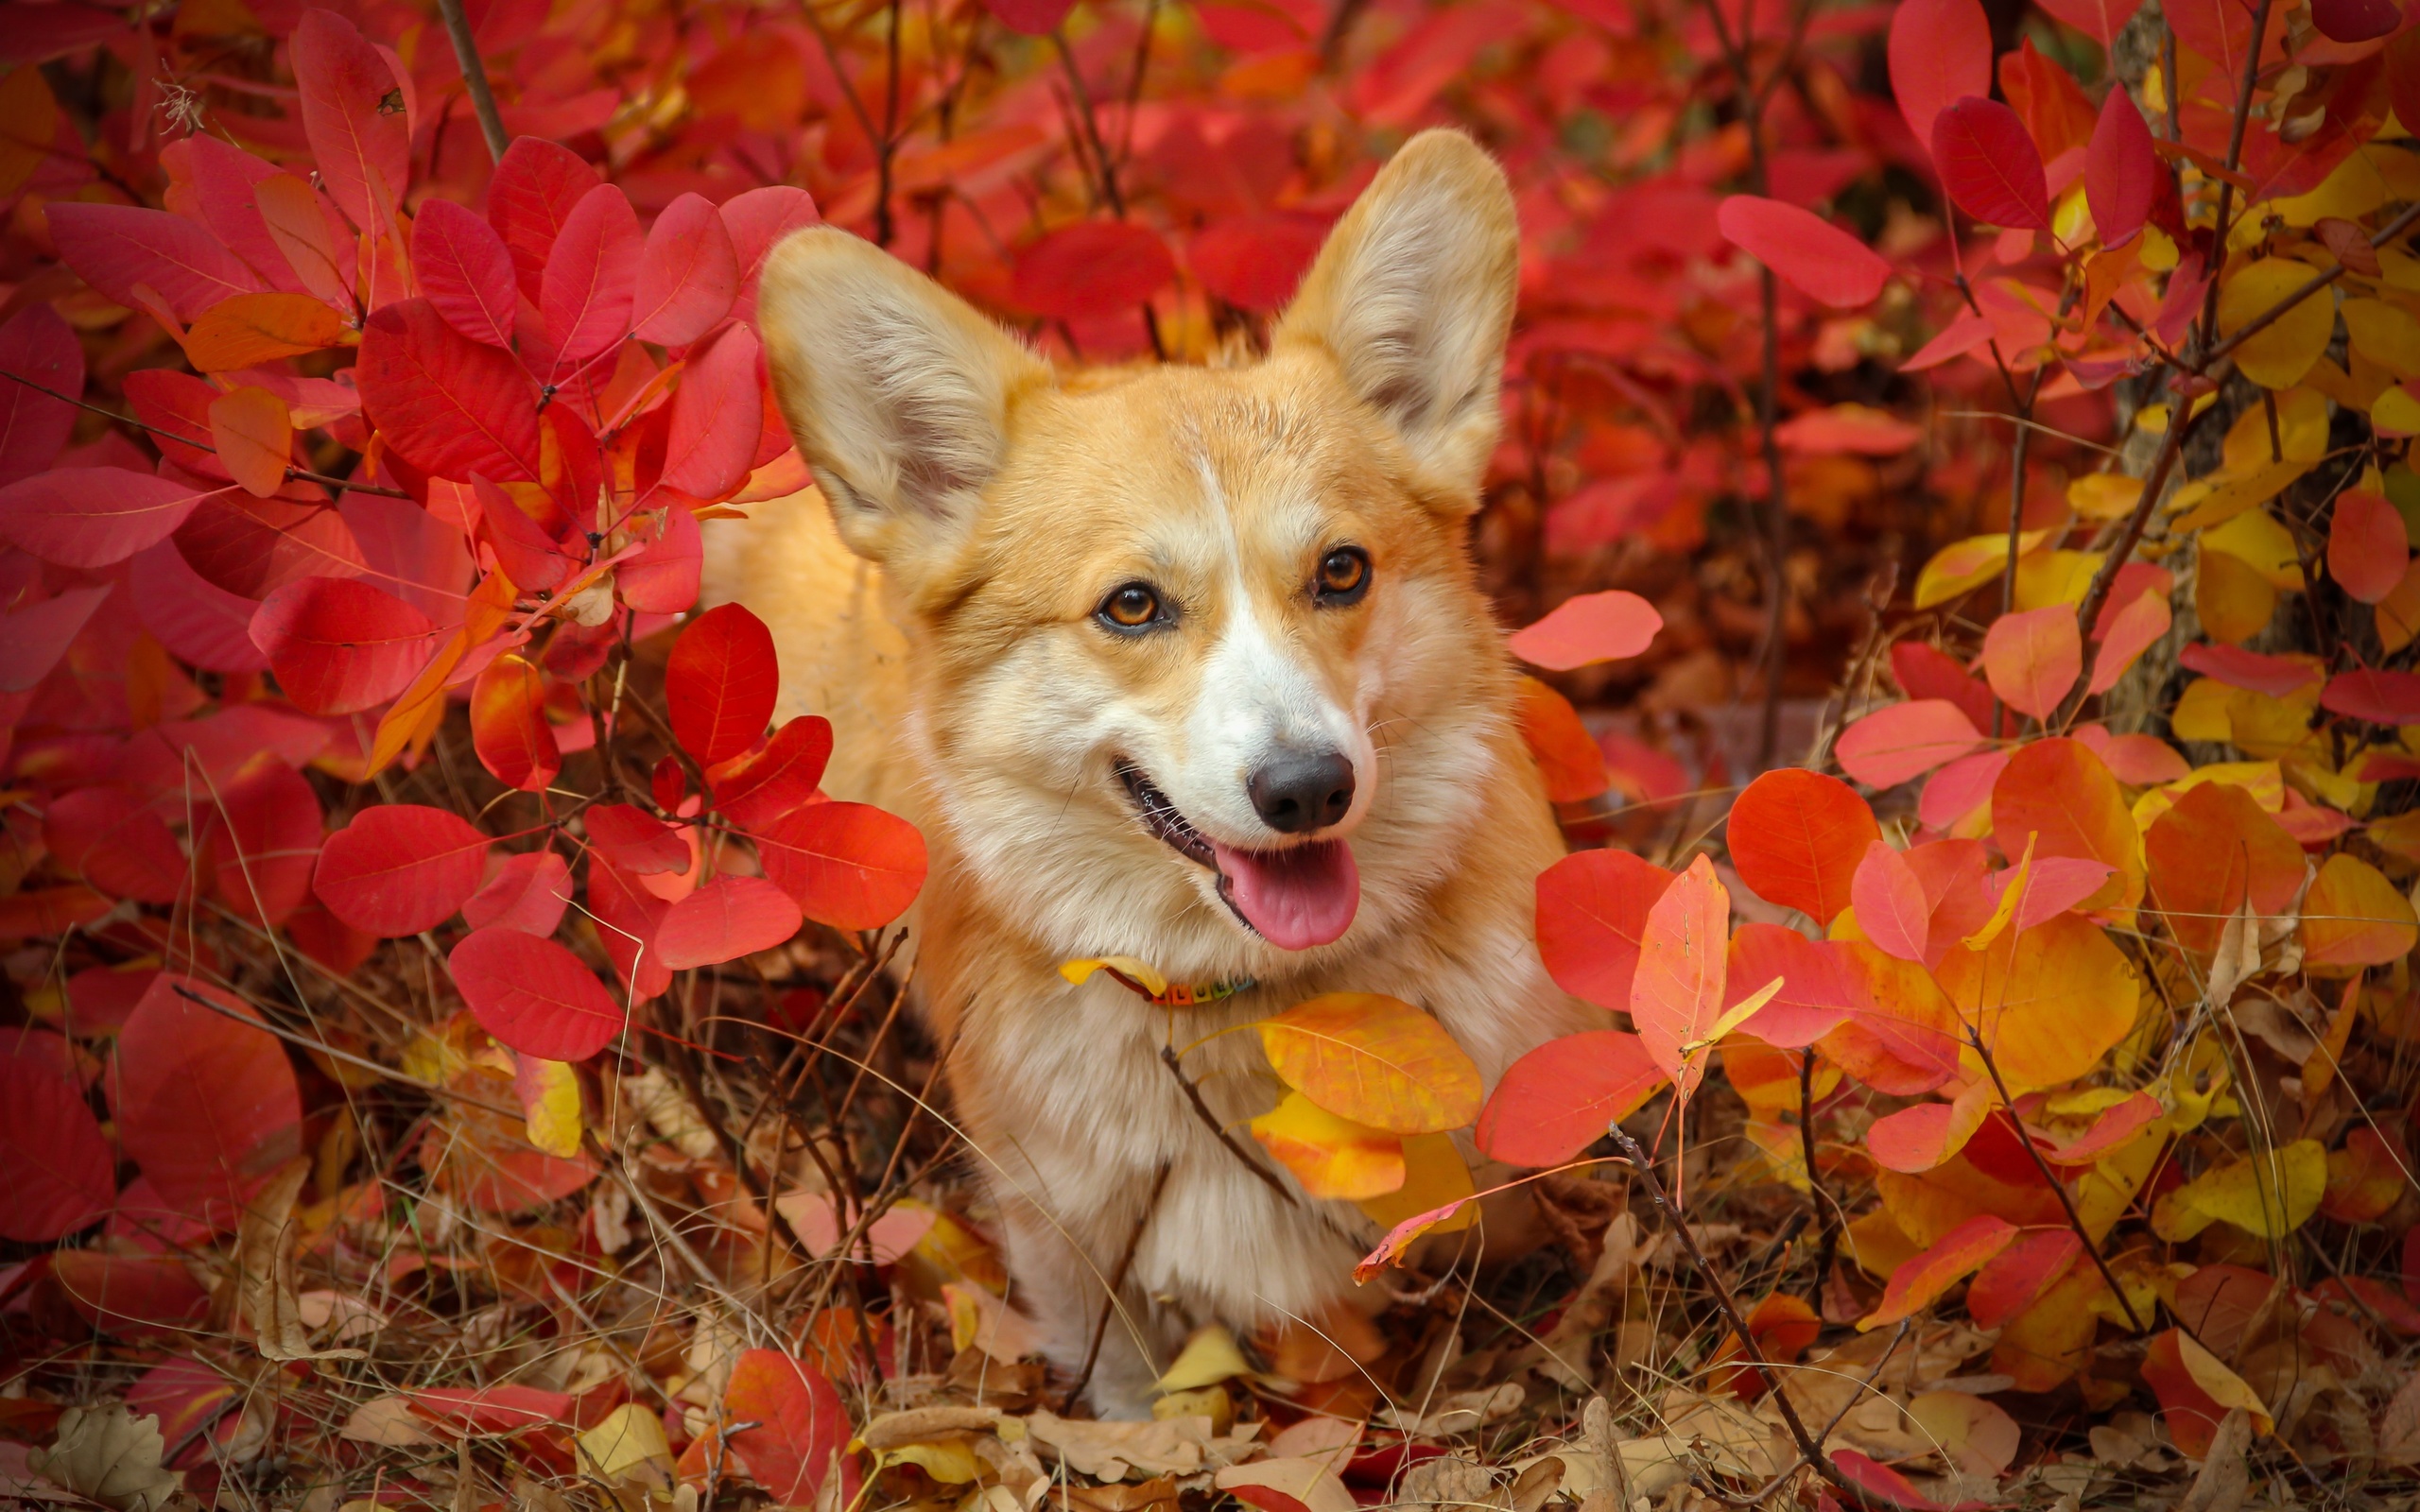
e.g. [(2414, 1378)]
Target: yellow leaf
[(255, 435), (1374, 1059), (950, 1461), (2234, 600), (2353, 917), (2221, 1384), (2396, 413), (2255, 539), (1968, 563), (2048, 577), (2104, 496), (549, 1092), (2268, 1197), (2386, 334), (2011, 894), (2351, 190), (2283, 349), (1738, 1013), (2222, 496), (246, 330), (1133, 968), (2398, 613), (1434, 1175), (1331, 1156), (1208, 1357), (2302, 434), (2047, 1001), (629, 1438)]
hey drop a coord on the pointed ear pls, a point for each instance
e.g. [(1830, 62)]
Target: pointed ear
[(1413, 298), (897, 390)]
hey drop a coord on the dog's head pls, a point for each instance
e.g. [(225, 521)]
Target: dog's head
[(1202, 674)]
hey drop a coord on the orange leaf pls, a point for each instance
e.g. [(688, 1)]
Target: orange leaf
[(1892, 909), (2365, 1179), (2196, 1391), (2031, 658), (1572, 765), (2214, 849), (2367, 546), (2046, 1001), (2354, 917), (255, 435), (1797, 837), (1682, 961), (2059, 795), (247, 330), (1331, 1156), (1919, 1282), (1376, 1060)]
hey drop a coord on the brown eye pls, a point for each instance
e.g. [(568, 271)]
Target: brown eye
[(1344, 575), (1132, 606)]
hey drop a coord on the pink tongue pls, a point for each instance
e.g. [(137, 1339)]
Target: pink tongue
[(1302, 896)]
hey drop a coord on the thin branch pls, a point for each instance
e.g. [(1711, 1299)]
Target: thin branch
[(474, 77), (1819, 1198), (295, 473), (1117, 1281), (1210, 1120), (2050, 1179)]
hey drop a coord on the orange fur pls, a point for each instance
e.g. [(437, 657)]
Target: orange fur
[(942, 613)]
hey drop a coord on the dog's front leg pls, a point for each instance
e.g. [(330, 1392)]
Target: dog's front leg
[(1063, 1258)]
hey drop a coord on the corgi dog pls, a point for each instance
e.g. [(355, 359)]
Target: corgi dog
[(1184, 663)]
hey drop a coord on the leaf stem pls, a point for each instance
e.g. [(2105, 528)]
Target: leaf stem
[(474, 77)]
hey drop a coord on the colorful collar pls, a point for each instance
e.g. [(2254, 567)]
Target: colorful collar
[(1146, 980)]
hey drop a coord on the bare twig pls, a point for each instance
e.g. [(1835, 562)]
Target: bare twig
[(474, 79), (1210, 1120), (297, 474), (1117, 1281)]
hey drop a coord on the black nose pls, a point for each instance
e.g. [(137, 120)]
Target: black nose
[(1298, 790)]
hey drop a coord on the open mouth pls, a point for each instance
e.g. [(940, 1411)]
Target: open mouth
[(1295, 897)]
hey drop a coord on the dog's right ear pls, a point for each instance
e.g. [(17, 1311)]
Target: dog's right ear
[(897, 390)]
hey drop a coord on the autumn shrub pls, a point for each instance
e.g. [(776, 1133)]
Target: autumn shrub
[(406, 889)]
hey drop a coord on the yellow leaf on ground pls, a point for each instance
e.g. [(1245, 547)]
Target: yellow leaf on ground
[(631, 1438), (1331, 1157), (1208, 1357), (1376, 1060), (2268, 1197), (549, 1092)]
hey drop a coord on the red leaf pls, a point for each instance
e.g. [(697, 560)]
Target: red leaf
[(1940, 52), (465, 272), (757, 221), (2368, 548), (353, 117), (62, 1176), (505, 1409), (508, 727), (528, 892), (1591, 909), (636, 841), (1989, 166), (177, 407), (688, 274), (205, 1099), (35, 637), (38, 347), (1892, 909), (715, 415), (2011, 1280), (117, 247), (94, 516), (1886, 1485), (626, 916), (1797, 837), (1589, 628), (2101, 20), (1254, 261), (533, 560), (130, 1294), (1570, 763), (1683, 963), (1809, 252), (665, 577), (260, 849), (591, 276), (1035, 18), (1817, 990), (399, 869), (780, 778), (1093, 267), (801, 1424), (533, 995), (2121, 171), (2380, 697), (720, 683), (536, 184), (1562, 1096), (252, 547), (447, 405), (2355, 21), (339, 645), (1920, 1280), (1904, 740), (849, 864), (727, 918), (111, 839)]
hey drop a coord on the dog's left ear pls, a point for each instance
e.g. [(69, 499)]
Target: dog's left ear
[(1412, 299)]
